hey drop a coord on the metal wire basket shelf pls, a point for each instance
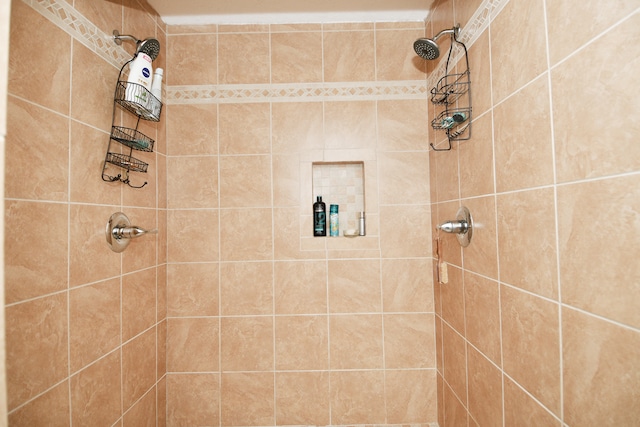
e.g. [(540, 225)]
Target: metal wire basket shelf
[(450, 88), (138, 100), (126, 162), (132, 138)]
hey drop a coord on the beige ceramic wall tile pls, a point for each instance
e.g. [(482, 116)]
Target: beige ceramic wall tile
[(401, 387), (452, 294), (92, 92), (296, 127), (405, 231), (573, 14), (301, 343), (96, 392), (350, 125), (192, 182), (476, 159), (103, 14), (243, 58), (192, 344), (348, 56), (584, 112), (599, 371), (518, 46), (36, 336), (485, 389), (141, 252), (523, 146), (395, 57), (138, 302), (161, 354), (357, 397), (286, 183), (407, 285), (138, 367), (194, 236), (480, 71), (244, 128), (246, 344), (300, 287), (454, 411), (354, 286), (193, 60), (192, 289), (192, 129), (409, 341), (87, 242), (87, 152), (37, 149), (245, 181), (521, 409), (143, 412), (481, 255), (37, 45), (302, 398), (247, 399), (246, 235), (403, 177), (537, 336), (246, 288), (356, 341), (193, 399), (94, 322), (50, 407), (36, 257), (528, 260), (447, 175), (598, 268), (296, 57), (455, 363), (482, 315), (402, 125)]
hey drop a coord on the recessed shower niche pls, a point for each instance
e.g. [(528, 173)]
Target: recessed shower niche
[(342, 184)]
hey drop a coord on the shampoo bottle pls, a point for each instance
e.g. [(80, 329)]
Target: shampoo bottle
[(156, 91), (139, 80), (319, 218)]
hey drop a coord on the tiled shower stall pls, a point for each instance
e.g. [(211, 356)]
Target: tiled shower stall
[(234, 314)]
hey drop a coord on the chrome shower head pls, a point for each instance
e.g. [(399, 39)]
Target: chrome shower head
[(148, 46), (428, 48)]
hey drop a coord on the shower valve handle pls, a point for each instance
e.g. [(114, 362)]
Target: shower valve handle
[(119, 232), (131, 231), (455, 227), (462, 226)]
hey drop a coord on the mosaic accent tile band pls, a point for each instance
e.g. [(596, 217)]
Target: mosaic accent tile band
[(298, 92), (63, 15)]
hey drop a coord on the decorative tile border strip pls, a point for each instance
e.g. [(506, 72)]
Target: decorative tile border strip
[(68, 19), (300, 92)]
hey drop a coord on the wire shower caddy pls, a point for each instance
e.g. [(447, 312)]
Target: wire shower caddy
[(453, 91)]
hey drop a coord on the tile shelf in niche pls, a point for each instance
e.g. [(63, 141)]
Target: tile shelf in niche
[(342, 184)]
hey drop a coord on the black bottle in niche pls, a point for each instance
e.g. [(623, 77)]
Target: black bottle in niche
[(319, 217)]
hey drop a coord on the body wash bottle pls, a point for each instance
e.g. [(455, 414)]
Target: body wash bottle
[(139, 80)]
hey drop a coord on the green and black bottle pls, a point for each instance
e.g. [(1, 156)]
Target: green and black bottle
[(319, 218)]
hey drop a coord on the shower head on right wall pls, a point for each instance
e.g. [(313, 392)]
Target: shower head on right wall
[(428, 48)]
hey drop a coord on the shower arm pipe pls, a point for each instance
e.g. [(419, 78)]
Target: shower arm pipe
[(453, 31)]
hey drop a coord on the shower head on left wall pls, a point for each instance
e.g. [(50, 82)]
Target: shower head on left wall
[(149, 46)]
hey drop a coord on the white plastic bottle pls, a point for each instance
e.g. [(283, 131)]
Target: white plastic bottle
[(156, 91), (139, 80)]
